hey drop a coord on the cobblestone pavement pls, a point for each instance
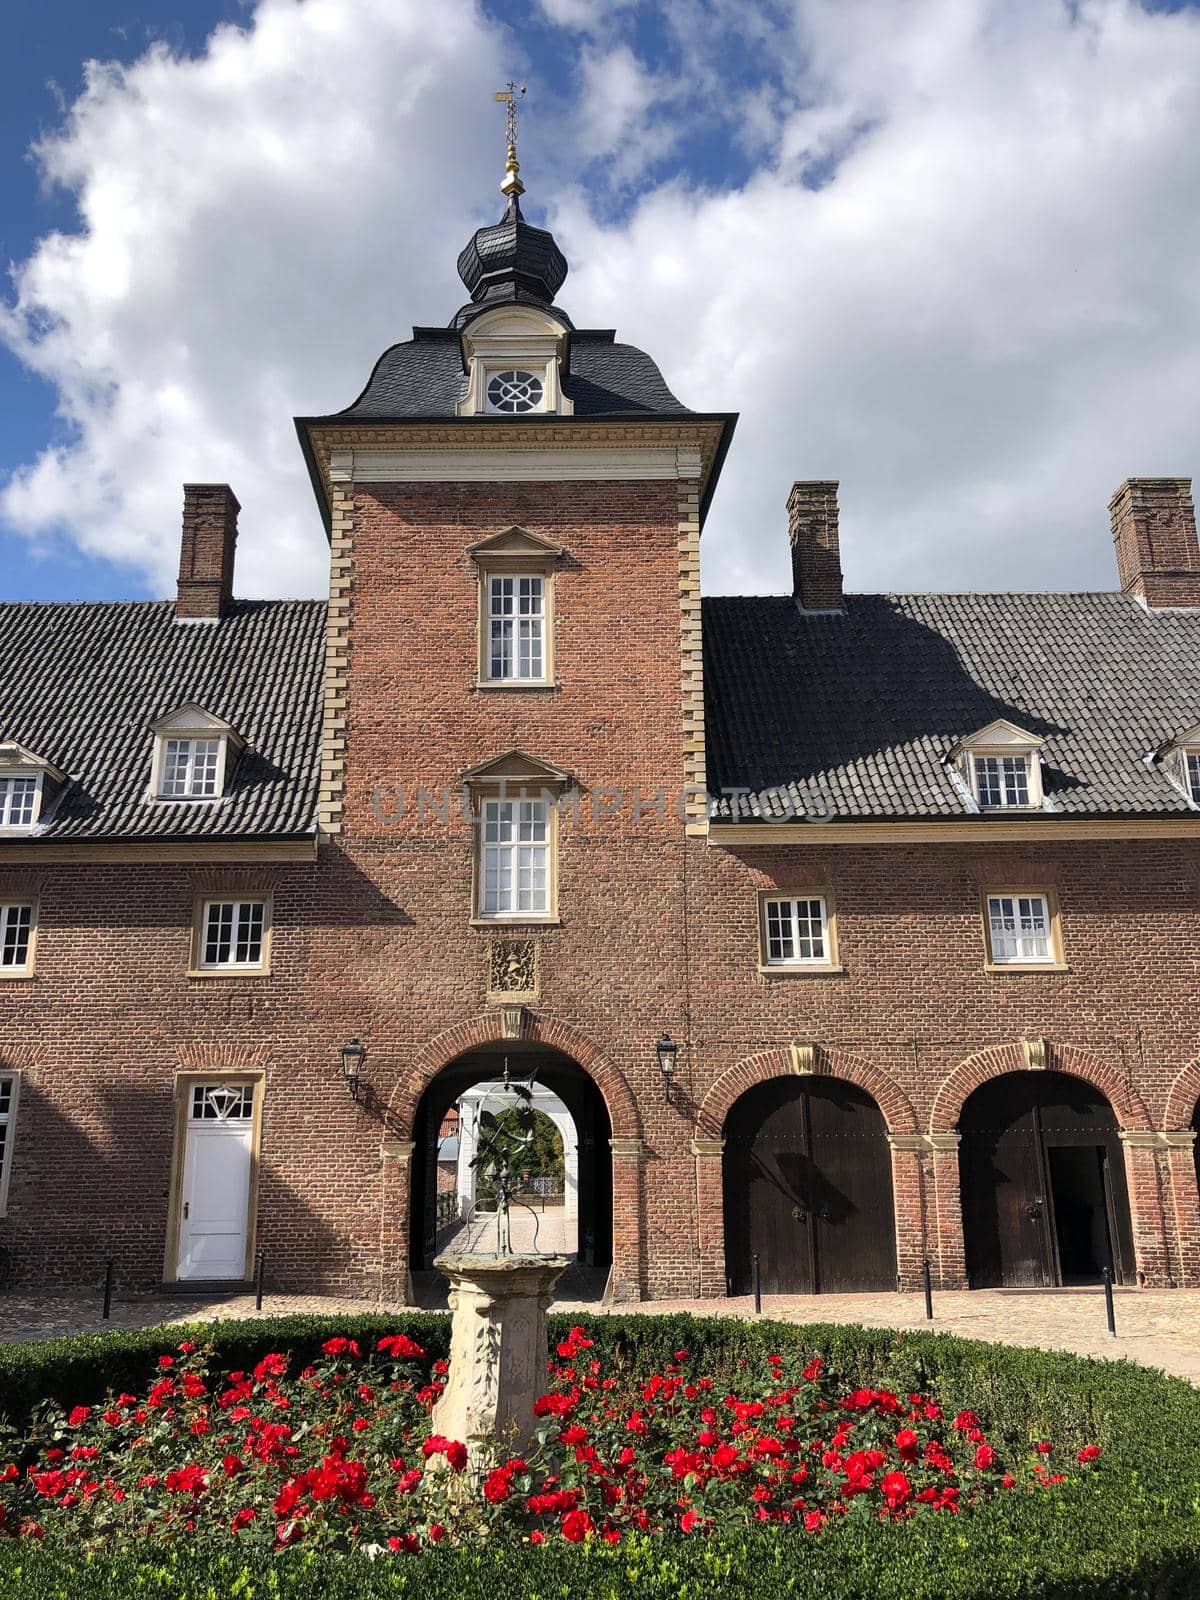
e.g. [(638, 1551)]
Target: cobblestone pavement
[(1159, 1328)]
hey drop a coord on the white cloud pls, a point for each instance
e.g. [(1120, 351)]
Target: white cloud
[(982, 320)]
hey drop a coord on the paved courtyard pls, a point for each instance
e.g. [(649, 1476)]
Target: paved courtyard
[(1159, 1328)]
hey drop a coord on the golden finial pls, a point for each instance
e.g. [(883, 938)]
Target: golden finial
[(512, 185)]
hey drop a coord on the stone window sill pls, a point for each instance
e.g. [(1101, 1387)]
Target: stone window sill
[(812, 970), (511, 685), (1020, 969)]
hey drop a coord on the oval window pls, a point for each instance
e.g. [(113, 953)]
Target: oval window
[(514, 391)]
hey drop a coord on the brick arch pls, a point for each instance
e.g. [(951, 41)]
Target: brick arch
[(1182, 1098), (887, 1094), (446, 1046), (220, 1056), (969, 1075)]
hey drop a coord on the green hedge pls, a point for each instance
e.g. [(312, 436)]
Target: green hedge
[(1129, 1528)]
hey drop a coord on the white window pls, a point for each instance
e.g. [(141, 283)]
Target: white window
[(514, 391), (1020, 930), (232, 934), (16, 939), (9, 1085), (796, 932), (515, 859), (222, 1102), (190, 769), (1192, 768), (516, 627), (19, 801), (1002, 780)]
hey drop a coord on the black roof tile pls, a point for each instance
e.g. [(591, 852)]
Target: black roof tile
[(81, 684), (851, 716)]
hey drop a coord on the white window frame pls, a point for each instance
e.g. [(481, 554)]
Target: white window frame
[(514, 338), (515, 811), (532, 369), (22, 775), (1001, 741), (1189, 755), (798, 902), (1020, 910), (201, 966), (8, 1125), (190, 741), (7, 907), (520, 621), (1007, 763)]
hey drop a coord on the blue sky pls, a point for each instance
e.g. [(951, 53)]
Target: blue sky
[(883, 231)]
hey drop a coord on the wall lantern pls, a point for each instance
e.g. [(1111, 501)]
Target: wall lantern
[(667, 1051), (353, 1056)]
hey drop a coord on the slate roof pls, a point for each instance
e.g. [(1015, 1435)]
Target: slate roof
[(850, 717), (423, 377), (81, 684)]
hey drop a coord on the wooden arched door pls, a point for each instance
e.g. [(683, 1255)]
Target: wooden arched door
[(1043, 1183), (808, 1189)]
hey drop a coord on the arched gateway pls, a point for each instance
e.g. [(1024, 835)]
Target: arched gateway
[(808, 1189), (1043, 1183), (577, 1090)]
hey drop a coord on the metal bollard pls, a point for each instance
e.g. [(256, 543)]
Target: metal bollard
[(1109, 1308), (259, 1263), (757, 1285), (928, 1290), (108, 1277)]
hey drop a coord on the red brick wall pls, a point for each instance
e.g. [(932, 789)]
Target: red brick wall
[(656, 932)]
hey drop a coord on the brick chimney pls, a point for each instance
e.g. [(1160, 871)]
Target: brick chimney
[(210, 513), (813, 532), (1154, 530)]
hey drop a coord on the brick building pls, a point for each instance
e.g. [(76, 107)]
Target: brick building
[(851, 929)]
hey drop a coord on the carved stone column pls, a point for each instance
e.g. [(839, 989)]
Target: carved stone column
[(497, 1349)]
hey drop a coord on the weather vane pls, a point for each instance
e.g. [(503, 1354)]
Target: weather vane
[(512, 185)]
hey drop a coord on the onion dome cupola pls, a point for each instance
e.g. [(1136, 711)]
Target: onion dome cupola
[(511, 262)]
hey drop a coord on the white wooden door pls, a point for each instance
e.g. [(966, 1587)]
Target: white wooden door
[(214, 1212)]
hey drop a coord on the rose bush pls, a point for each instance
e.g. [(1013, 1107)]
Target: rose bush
[(340, 1454)]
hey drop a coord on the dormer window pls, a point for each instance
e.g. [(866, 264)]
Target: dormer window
[(1002, 780), (513, 358), (27, 781), (193, 754), (1001, 767), (19, 799), (190, 769), (1179, 758)]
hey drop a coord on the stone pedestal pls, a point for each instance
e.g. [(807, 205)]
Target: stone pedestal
[(497, 1348)]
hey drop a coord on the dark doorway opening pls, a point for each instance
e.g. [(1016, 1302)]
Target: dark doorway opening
[(808, 1189), (1079, 1200), (1043, 1184), (565, 1078)]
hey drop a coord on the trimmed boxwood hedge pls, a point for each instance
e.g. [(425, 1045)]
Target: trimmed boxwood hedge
[(1129, 1528)]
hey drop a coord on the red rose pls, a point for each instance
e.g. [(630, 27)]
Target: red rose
[(681, 1355), (436, 1533), (537, 1537), (341, 1347), (813, 1520), (965, 1420), (272, 1366), (688, 1520), (1044, 1448), (497, 1486), (908, 1444), (78, 1416), (360, 1424), (985, 1457), (400, 1347), (166, 1361), (576, 1526), (1089, 1452), (895, 1489), (243, 1518)]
